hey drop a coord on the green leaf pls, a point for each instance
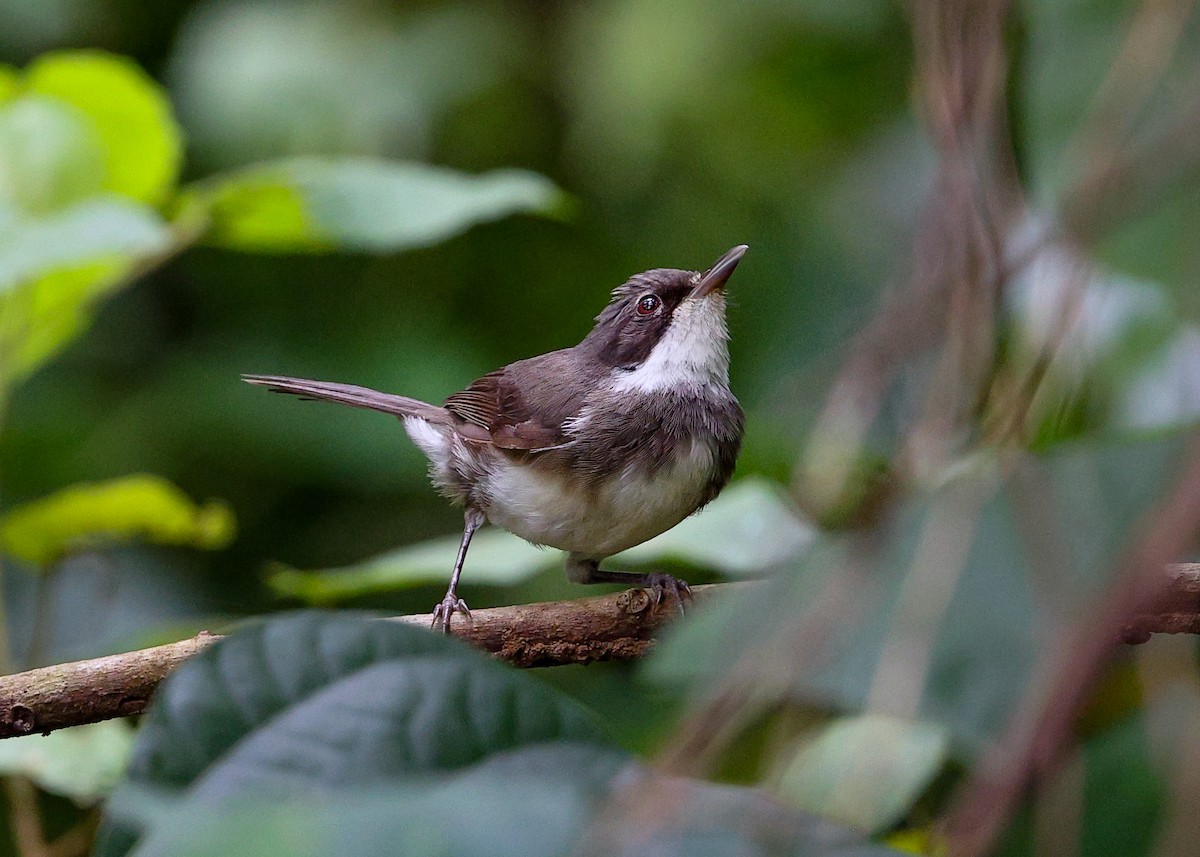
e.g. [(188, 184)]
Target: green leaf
[(133, 508), (551, 800), (141, 143), (866, 770), (54, 269), (50, 156), (10, 81), (314, 204), (749, 528), (83, 763), (531, 801), (369, 701), (496, 558)]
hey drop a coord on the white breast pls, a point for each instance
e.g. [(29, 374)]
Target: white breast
[(628, 509)]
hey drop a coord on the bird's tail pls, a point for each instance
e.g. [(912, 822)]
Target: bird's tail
[(348, 394)]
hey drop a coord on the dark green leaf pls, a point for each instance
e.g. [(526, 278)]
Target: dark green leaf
[(318, 701)]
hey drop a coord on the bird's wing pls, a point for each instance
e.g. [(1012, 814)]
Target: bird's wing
[(525, 405)]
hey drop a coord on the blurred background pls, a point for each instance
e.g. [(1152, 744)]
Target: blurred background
[(878, 351), (785, 126)]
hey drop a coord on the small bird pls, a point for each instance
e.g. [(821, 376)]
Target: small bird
[(590, 449)]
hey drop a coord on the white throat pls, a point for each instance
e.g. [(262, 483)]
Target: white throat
[(692, 354)]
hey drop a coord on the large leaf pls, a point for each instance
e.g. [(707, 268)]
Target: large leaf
[(322, 701), (313, 204), (531, 801), (133, 508), (142, 145), (552, 799), (83, 763), (749, 529), (317, 734)]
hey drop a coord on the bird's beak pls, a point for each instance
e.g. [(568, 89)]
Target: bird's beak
[(714, 278)]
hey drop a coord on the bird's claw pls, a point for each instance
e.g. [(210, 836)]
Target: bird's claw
[(664, 586), (443, 612)]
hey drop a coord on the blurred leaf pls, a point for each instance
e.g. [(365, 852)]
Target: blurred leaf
[(258, 79), (952, 601), (311, 204), (496, 558), (54, 269), (368, 701), (550, 799), (82, 763), (50, 156), (9, 82), (748, 529), (1111, 796), (133, 508), (865, 771), (142, 145), (530, 801)]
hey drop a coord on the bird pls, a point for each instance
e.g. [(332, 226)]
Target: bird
[(590, 449)]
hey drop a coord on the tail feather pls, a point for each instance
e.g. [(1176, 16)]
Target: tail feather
[(348, 394)]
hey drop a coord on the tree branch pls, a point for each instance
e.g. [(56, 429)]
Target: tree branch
[(620, 626)]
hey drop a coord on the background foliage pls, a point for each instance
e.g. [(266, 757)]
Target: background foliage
[(407, 195)]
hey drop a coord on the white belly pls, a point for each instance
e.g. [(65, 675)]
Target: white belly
[(630, 508)]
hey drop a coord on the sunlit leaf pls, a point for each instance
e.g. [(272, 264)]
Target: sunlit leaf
[(50, 156), (865, 770), (134, 508), (83, 763), (9, 82), (311, 204), (142, 145)]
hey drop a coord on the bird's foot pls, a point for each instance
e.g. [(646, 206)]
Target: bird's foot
[(442, 613), (664, 586)]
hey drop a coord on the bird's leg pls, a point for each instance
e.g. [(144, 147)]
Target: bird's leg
[(452, 604), (584, 570)]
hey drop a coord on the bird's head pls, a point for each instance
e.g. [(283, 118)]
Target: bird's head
[(666, 328)]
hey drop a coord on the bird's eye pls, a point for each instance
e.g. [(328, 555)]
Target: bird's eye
[(648, 304)]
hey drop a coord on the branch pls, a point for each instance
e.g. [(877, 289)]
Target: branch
[(620, 626)]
